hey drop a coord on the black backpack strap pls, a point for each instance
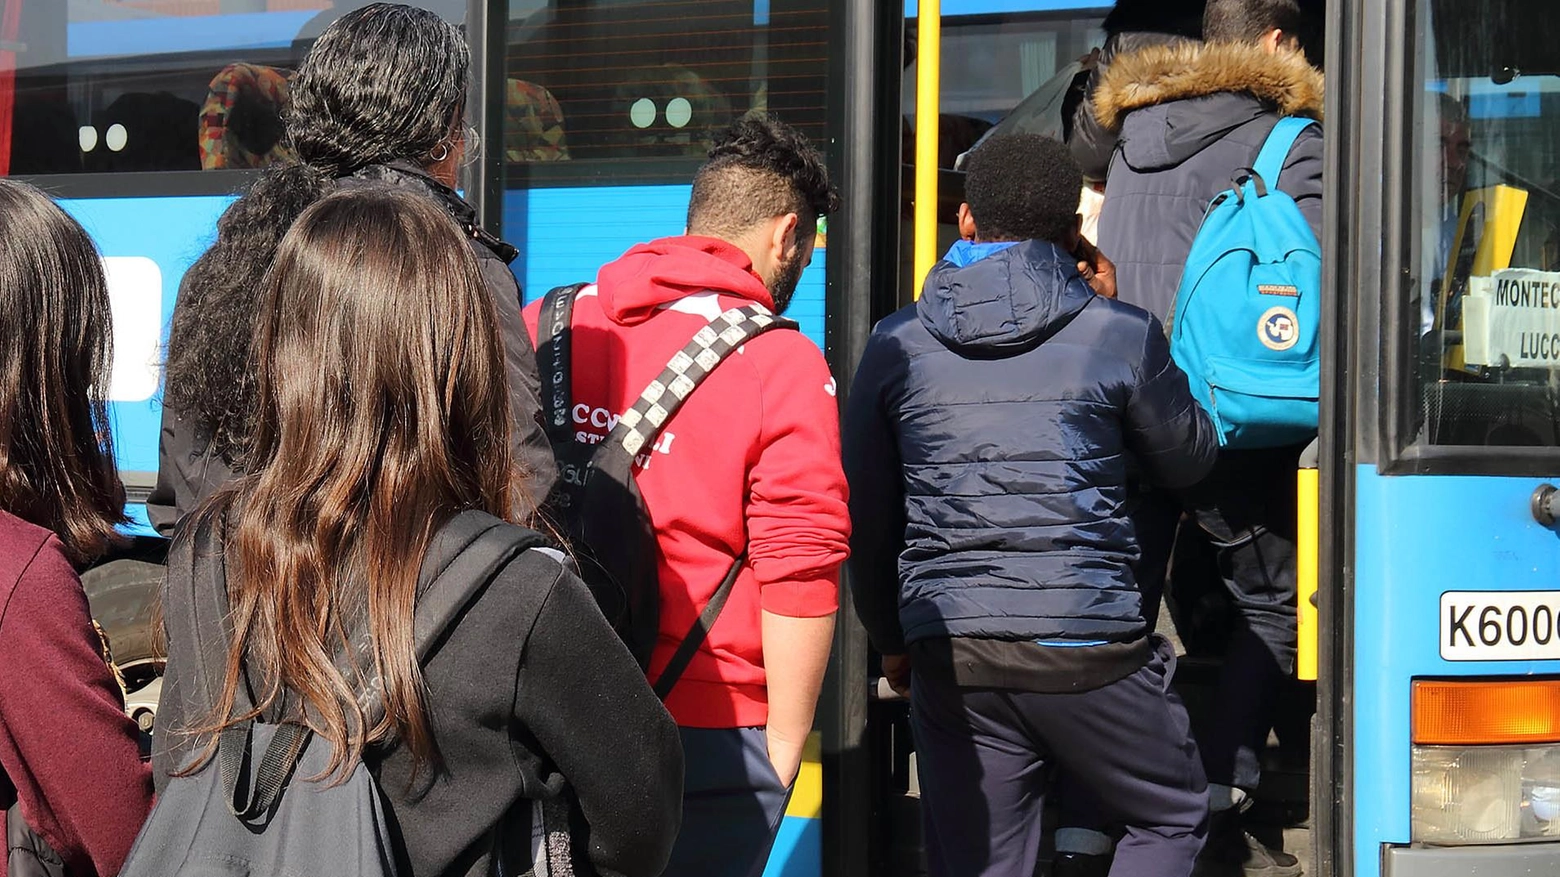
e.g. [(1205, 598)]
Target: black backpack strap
[(463, 558), (641, 425), (701, 629), (554, 352)]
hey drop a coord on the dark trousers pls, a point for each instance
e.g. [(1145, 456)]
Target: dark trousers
[(1246, 506), (984, 755), (732, 804)]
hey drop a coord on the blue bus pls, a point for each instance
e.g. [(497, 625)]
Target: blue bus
[(1429, 741)]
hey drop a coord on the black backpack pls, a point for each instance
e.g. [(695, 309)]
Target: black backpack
[(597, 502), (253, 810)]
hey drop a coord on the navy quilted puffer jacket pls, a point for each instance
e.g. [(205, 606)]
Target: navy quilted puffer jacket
[(992, 439)]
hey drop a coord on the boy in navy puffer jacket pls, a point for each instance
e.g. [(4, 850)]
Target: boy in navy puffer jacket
[(990, 439)]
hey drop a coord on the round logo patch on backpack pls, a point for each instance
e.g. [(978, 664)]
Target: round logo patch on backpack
[(1279, 329)]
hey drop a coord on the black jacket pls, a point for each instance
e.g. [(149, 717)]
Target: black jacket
[(1190, 117), (187, 471), (528, 688), (992, 436)]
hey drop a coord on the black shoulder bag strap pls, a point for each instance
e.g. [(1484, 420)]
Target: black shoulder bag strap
[(641, 425), (464, 556), (554, 352)]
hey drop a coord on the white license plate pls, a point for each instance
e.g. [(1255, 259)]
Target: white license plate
[(1500, 625)]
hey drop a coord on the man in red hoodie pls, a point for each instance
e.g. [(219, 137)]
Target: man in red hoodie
[(751, 461)]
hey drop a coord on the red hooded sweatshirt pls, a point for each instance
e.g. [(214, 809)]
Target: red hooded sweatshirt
[(751, 459)]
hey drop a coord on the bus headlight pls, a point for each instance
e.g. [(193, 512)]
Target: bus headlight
[(1485, 794)]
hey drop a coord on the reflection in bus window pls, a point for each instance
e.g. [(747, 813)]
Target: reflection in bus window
[(106, 86), (637, 83), (1488, 205)]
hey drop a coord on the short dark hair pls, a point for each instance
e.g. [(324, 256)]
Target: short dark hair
[(1246, 21), (56, 455), (758, 169), (1023, 187)]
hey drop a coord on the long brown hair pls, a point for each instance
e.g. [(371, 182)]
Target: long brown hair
[(383, 410), (56, 455)]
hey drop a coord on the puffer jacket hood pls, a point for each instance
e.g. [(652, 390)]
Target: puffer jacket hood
[(1171, 102), (995, 300), (651, 276)]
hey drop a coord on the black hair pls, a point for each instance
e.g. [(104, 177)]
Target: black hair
[(758, 169), (1246, 21), (1178, 17), (1023, 187), (382, 83)]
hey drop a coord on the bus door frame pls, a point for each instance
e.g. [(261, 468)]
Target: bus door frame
[(866, 69), (1365, 197)]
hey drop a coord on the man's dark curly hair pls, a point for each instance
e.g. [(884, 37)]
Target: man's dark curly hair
[(1023, 187), (382, 83), (758, 169)]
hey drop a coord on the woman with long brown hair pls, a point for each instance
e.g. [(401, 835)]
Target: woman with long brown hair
[(70, 766), (382, 414)]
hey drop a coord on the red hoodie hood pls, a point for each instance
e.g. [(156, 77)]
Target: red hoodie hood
[(660, 272)]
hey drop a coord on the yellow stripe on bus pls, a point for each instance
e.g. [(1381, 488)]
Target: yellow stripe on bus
[(807, 795), (1307, 544)]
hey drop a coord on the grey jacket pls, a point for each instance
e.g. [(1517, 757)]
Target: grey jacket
[(1190, 116)]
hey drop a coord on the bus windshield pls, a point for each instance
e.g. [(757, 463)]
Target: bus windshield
[(1486, 197)]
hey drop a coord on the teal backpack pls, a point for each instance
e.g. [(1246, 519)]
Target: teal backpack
[(1246, 321)]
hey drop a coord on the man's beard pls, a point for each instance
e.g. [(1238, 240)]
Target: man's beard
[(783, 287)]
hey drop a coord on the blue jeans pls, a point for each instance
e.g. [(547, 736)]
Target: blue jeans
[(732, 804)]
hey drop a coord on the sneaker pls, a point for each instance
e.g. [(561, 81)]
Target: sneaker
[(1080, 865), (1231, 851)]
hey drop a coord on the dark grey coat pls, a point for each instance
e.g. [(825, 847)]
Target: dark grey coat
[(1190, 116)]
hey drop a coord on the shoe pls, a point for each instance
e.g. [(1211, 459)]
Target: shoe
[(1080, 865), (1231, 851)]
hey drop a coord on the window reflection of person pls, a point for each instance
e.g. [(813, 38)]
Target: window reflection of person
[(1456, 150)]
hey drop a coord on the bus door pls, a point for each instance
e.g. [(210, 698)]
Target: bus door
[(1440, 609)]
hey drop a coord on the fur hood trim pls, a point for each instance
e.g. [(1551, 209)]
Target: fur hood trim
[(1160, 74)]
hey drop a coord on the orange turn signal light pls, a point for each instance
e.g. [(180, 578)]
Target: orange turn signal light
[(1476, 713)]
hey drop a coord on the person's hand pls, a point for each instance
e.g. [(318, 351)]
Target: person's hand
[(896, 669), (785, 756), (1096, 270), (1091, 60)]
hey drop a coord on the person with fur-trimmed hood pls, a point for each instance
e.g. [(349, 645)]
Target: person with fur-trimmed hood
[(1190, 117)]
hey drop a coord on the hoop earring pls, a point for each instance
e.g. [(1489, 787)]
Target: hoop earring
[(439, 153)]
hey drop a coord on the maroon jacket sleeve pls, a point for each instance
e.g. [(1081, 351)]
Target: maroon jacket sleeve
[(65, 742)]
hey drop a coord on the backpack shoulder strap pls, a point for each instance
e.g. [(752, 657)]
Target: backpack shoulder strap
[(641, 425), (554, 358), (1270, 161), (464, 557)]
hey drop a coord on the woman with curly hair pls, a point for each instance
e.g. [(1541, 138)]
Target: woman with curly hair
[(381, 97)]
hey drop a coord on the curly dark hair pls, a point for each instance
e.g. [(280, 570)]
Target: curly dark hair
[(382, 83), (1023, 187), (758, 169)]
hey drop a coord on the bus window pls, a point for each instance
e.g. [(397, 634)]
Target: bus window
[(613, 91), (1485, 306), (157, 85)]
